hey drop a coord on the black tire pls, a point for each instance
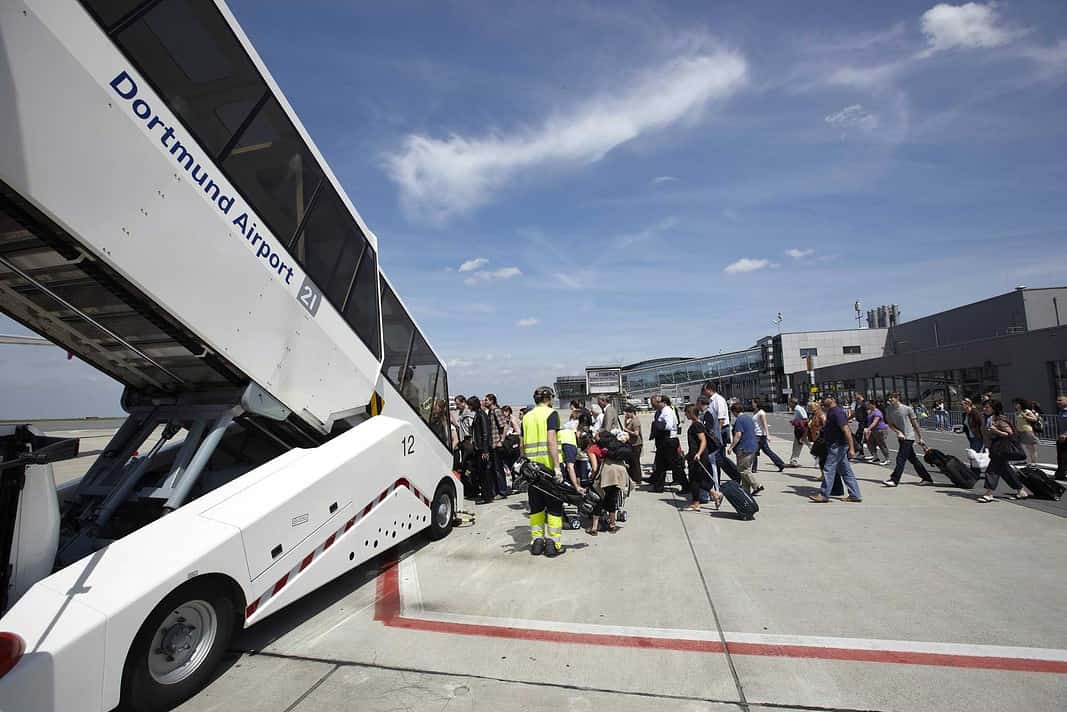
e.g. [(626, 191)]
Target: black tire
[(442, 512), (144, 687)]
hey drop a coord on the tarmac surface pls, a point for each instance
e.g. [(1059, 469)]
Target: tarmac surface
[(915, 599)]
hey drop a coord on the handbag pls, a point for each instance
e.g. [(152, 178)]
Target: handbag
[(819, 448), (1006, 448)]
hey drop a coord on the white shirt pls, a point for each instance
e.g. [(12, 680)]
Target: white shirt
[(719, 410), (757, 418), (666, 414), (799, 412)]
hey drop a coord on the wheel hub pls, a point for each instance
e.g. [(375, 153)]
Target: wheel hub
[(443, 510), (182, 642)]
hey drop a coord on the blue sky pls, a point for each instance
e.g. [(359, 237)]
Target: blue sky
[(558, 184)]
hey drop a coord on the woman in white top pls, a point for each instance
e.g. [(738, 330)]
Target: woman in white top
[(762, 429), (598, 417)]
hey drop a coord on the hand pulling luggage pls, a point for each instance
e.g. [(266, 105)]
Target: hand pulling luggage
[(1037, 481), (739, 499)]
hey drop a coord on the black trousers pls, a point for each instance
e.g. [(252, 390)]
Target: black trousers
[(668, 458), (765, 448), (859, 439), (905, 454), (483, 475), (541, 502), (1061, 460), (497, 462)]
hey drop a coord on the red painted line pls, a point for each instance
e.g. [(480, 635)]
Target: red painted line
[(387, 611)]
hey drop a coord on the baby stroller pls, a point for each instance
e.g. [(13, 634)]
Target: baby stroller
[(618, 453), (535, 475)]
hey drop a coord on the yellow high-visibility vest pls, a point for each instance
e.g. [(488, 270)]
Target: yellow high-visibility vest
[(535, 435), (566, 436)]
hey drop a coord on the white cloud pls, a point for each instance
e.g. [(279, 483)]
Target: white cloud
[(968, 26), (799, 254), (852, 117), (663, 179), (493, 275), (442, 177), (459, 363), (527, 322), (471, 265), (664, 225), (1051, 59), (746, 264)]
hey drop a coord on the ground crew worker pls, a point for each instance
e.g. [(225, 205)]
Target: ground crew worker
[(540, 428)]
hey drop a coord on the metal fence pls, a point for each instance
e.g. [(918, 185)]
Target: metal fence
[(955, 420)]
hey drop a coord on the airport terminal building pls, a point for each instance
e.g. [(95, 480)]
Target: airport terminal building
[(1012, 345)]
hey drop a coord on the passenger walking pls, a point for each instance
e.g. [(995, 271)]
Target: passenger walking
[(482, 445), (632, 426), (745, 445), (973, 425), (840, 447), (859, 414), (717, 421), (940, 415), (611, 480), (498, 426), (998, 433), (464, 418), (816, 425), (800, 431), (610, 422), (903, 421), (702, 477), (568, 446), (759, 417), (876, 433), (1061, 438), (1025, 418), (665, 435), (539, 444)]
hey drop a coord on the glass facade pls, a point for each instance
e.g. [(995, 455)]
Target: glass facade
[(927, 387), (1058, 370), (643, 382)]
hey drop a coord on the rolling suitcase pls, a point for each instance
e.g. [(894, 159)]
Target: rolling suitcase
[(1037, 481), (739, 499), (952, 467), (961, 474)]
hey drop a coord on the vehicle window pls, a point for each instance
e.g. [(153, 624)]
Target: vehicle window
[(329, 245), (275, 171), (397, 331), (420, 378), (439, 415), (188, 52), (108, 12), (361, 304)]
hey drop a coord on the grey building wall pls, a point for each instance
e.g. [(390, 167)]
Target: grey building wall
[(1045, 307), (831, 346), (996, 316), (1022, 361)]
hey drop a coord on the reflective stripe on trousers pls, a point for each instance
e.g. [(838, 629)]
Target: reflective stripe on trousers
[(537, 525)]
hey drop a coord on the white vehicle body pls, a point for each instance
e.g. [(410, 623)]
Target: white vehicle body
[(112, 246)]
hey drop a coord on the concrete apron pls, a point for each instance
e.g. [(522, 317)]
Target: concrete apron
[(876, 606)]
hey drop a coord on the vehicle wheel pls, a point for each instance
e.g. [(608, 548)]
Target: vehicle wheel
[(179, 646), (442, 512), (575, 523)]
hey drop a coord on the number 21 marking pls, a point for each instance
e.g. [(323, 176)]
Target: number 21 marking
[(308, 296)]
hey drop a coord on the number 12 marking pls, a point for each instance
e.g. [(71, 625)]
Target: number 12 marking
[(408, 443)]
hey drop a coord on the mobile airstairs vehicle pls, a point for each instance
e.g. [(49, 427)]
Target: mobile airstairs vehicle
[(165, 217)]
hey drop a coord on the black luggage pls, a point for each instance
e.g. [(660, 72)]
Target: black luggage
[(1037, 481), (960, 473), (952, 467), (739, 499)]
